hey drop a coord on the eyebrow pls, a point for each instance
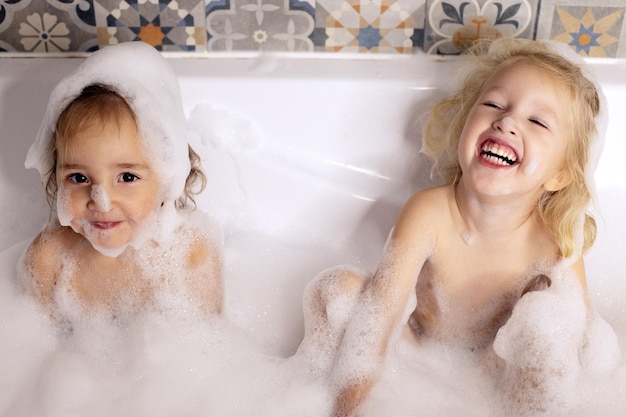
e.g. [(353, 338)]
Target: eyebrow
[(123, 165), (72, 166), (129, 165)]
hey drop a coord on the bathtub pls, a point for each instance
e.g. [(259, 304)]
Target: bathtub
[(309, 164)]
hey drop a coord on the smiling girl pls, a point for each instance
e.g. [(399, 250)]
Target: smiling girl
[(120, 178), (513, 146)]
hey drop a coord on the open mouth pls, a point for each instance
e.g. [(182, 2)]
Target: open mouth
[(498, 154)]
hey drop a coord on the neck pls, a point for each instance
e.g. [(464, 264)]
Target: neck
[(96, 257), (493, 217)]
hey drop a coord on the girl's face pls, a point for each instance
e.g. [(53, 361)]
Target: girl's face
[(108, 191), (516, 134)]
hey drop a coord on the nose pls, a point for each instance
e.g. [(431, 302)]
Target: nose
[(506, 125), (100, 198)]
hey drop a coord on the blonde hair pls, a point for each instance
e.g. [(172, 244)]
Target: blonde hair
[(98, 105), (559, 210)]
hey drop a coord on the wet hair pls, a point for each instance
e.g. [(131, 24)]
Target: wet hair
[(559, 210), (95, 106)]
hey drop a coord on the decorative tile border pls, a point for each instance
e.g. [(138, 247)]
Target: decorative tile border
[(592, 32), (592, 28), (387, 26), (451, 25), (47, 27), (263, 25), (167, 25)]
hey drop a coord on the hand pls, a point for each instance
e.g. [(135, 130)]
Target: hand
[(350, 398)]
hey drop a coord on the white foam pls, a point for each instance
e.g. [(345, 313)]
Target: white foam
[(100, 198), (540, 345), (63, 206), (169, 362), (147, 82)]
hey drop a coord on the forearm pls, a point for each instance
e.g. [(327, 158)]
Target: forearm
[(360, 358), (540, 343)]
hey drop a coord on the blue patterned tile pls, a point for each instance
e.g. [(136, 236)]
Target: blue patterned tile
[(452, 25), (260, 25), (589, 31), (172, 26)]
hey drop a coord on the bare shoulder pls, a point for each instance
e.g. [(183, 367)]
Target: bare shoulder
[(204, 259), (43, 260), (43, 252), (424, 210), (203, 237)]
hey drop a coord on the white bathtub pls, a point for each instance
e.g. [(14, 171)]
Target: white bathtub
[(334, 155)]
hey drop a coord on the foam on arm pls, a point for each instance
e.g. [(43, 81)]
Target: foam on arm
[(381, 307)]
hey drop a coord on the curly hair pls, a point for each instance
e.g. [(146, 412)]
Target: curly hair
[(99, 104), (559, 210)]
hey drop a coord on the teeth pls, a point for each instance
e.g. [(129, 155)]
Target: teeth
[(497, 154)]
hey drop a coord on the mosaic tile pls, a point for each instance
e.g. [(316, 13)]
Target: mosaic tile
[(452, 25), (259, 25), (386, 26), (594, 28), (47, 26), (590, 31), (171, 26)]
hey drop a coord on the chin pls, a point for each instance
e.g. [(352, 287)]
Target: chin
[(111, 251)]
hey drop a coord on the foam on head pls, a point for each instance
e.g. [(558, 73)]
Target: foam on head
[(147, 82)]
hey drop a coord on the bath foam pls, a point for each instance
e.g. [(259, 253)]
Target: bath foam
[(222, 128), (265, 272), (147, 82), (156, 362), (100, 197), (217, 369), (158, 226), (535, 354), (329, 302)]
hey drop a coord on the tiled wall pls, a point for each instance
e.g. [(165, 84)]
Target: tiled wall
[(593, 28)]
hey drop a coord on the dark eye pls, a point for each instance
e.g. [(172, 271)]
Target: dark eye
[(78, 178), (128, 177)]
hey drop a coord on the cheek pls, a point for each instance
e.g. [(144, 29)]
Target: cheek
[(465, 149), (145, 208), (530, 167), (65, 211)]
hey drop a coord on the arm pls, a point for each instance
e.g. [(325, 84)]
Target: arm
[(382, 303), (540, 344)]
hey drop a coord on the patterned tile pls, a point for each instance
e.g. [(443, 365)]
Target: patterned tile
[(594, 28), (47, 26), (386, 26), (590, 31), (452, 25), (259, 25), (167, 25)]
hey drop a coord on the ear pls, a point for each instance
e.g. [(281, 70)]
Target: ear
[(560, 180)]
